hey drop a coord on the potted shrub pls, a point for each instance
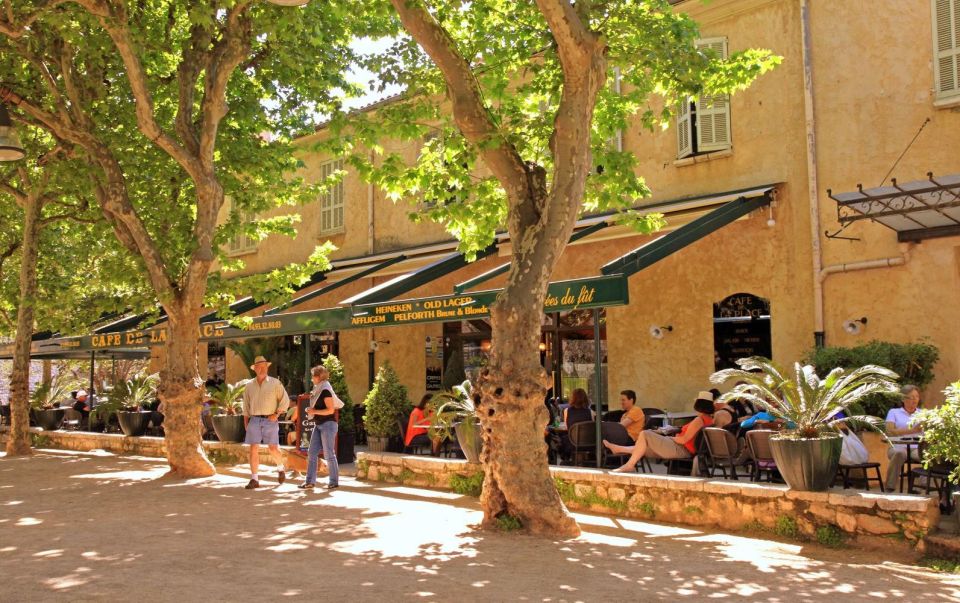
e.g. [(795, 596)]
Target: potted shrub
[(808, 451), (941, 436), (130, 398), (346, 433), (384, 404), (226, 409), (46, 397), (454, 411)]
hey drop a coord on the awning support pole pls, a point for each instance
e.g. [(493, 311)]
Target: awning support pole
[(596, 372), (306, 363), (93, 360)]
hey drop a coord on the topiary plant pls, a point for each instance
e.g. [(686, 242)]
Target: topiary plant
[(913, 362), (339, 383), (384, 403)]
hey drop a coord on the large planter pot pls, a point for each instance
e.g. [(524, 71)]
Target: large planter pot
[(470, 441), (48, 419), (229, 428), (345, 443), (377, 444), (807, 464), (133, 423)]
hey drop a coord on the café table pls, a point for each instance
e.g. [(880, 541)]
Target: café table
[(908, 442), (672, 418)]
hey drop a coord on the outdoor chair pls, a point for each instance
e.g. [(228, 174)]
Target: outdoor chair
[(934, 478), (723, 452), (72, 419), (617, 434), (693, 466), (413, 448), (583, 442), (652, 423), (758, 442), (613, 416), (843, 472)]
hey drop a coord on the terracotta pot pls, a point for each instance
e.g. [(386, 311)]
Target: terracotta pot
[(377, 444), (470, 441), (808, 465)]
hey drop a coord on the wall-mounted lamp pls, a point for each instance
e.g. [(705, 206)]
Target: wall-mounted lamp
[(658, 332), (855, 325), (10, 147), (485, 345), (375, 344), (543, 347)]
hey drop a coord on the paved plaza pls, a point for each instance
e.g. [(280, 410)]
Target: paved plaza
[(88, 526)]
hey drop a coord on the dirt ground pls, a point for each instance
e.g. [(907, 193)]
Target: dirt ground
[(87, 526)]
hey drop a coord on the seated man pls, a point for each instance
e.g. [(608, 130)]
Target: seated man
[(658, 446), (632, 419)]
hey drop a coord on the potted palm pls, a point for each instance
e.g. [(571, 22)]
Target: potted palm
[(131, 398), (226, 408), (385, 404), (455, 413), (807, 452), (46, 396)]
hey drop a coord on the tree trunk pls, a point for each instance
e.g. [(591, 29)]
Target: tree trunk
[(181, 391), (19, 442)]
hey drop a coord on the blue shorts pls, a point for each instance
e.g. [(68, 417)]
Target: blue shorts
[(261, 430)]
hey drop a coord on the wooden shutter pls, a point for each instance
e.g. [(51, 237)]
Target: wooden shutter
[(331, 202), (713, 111), (684, 129), (946, 39)]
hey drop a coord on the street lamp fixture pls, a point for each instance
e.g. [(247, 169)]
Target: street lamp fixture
[(10, 147)]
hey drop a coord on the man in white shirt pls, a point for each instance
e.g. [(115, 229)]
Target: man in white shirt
[(264, 400), (899, 424)]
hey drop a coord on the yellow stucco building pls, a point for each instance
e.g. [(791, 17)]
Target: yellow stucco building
[(859, 80)]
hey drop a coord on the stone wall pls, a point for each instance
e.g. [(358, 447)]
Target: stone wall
[(857, 515)]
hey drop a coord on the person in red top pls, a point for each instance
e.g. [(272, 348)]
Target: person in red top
[(417, 427), (657, 446)]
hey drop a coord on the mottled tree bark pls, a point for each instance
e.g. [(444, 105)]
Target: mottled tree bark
[(19, 442), (517, 477)]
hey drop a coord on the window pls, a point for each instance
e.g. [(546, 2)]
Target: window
[(331, 202), (703, 124), (946, 48), (242, 244)]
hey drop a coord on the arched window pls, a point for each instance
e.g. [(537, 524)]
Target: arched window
[(741, 328)]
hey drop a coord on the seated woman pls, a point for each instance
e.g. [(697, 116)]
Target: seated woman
[(579, 409), (653, 445), (417, 427)]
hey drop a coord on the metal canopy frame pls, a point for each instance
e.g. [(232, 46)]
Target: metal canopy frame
[(674, 241), (410, 281), (917, 210)]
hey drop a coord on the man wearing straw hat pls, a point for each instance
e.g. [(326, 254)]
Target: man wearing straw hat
[(264, 400)]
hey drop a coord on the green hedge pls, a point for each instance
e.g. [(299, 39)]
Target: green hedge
[(914, 363)]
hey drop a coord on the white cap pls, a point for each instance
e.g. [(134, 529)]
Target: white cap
[(81, 392)]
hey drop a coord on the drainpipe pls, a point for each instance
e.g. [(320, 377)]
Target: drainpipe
[(812, 180), (864, 265)]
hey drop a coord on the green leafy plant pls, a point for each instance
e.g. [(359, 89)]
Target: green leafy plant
[(805, 400), (830, 536), (451, 409), (39, 440), (384, 403), (130, 395), (467, 485), (339, 383), (227, 398), (786, 527), (509, 523), (941, 431), (914, 362), (55, 390)]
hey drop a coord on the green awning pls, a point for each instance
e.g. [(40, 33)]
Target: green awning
[(674, 241), (417, 278)]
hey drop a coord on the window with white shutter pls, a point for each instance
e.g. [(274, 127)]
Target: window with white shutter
[(241, 244), (703, 125), (946, 47), (331, 201)]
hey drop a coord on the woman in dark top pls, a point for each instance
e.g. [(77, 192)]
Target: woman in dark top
[(579, 410), (322, 410)]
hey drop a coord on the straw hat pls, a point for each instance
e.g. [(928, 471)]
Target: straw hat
[(259, 360), (705, 396)]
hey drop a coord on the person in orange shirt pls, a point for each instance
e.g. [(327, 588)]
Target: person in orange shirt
[(417, 427), (633, 418)]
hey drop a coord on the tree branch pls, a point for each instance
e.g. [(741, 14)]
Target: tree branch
[(470, 114), (15, 30)]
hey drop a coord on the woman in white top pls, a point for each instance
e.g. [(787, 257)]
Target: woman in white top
[(899, 423)]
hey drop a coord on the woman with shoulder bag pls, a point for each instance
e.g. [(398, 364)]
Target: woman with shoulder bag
[(322, 408)]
